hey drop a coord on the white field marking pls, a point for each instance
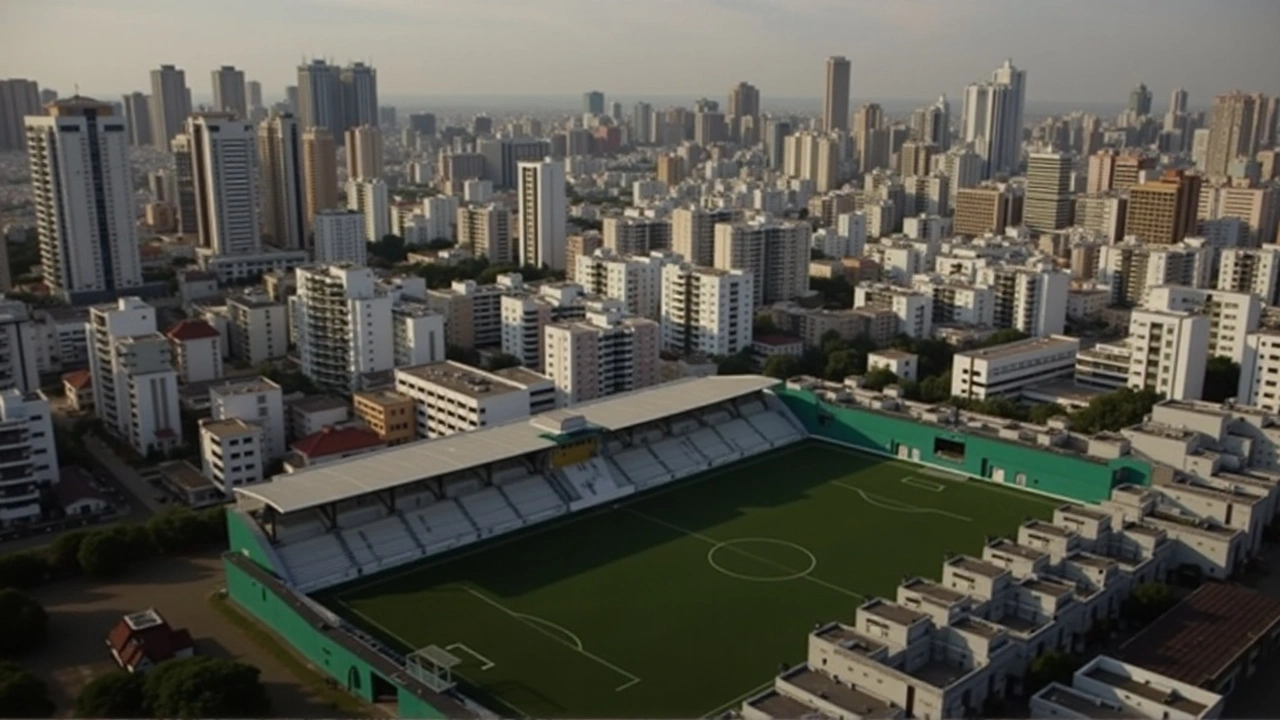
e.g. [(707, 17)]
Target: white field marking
[(885, 503), (542, 625), (485, 663), (923, 484), (730, 545), (712, 541), (729, 705), (555, 523)]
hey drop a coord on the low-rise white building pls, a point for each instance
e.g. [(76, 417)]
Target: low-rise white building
[(258, 328), (914, 309), (258, 401), (231, 453), (1106, 687), (29, 455), (1170, 350), (1232, 315), (197, 351), (1004, 370), (451, 397), (899, 362)]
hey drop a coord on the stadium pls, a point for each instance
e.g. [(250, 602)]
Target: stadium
[(661, 553)]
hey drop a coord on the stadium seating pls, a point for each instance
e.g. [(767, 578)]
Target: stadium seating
[(740, 434), (774, 428), (534, 498), (489, 511), (681, 459), (713, 447), (317, 560), (594, 483), (642, 467), (750, 407)]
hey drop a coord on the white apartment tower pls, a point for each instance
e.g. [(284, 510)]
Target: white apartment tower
[(1260, 372), (604, 354), (229, 92), (30, 455), (635, 281), (369, 197), (1026, 299), (343, 324), (543, 212), (170, 104), (524, 315), (1232, 316), (82, 190), (340, 237), (705, 310), (486, 231), (282, 184), (1047, 204), (135, 385), (992, 120), (1251, 270), (914, 309), (258, 401), (224, 160), (18, 351), (776, 253), (693, 233), (1169, 352)]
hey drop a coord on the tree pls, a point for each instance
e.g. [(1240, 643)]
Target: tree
[(1002, 337), (464, 355), (205, 687), (1053, 666), (1147, 602), (1118, 409), (503, 360), (1040, 414), (23, 623), (177, 530), (390, 249), (22, 570), (879, 379), (763, 325), (22, 695), (782, 366), (935, 388), (63, 551), (439, 244), (843, 363), (117, 694), (104, 554), (737, 364), (1221, 379)]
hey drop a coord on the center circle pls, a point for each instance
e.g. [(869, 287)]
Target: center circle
[(760, 551)]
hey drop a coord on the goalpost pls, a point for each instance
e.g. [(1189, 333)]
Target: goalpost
[(433, 667)]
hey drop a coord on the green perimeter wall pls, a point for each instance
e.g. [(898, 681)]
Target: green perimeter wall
[(1078, 478), (351, 672)]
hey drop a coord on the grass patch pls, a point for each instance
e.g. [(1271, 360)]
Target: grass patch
[(317, 683)]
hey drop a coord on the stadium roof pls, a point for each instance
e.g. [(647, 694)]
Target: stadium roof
[(426, 459)]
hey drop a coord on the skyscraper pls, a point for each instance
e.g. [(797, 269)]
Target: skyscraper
[(359, 96), (170, 104), (228, 91), (774, 144), (642, 123), (1163, 212), (775, 252), (225, 169), (18, 99), (253, 91), (993, 114), (137, 113), (320, 172), (1048, 200), (835, 107), (1140, 100), (184, 184), (282, 184), (542, 214), (82, 190), (320, 97), (593, 102), (933, 124), (872, 145), (1178, 101), (1231, 131), (364, 153)]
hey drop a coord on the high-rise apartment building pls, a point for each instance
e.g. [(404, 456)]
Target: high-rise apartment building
[(642, 124), (981, 210), (137, 113), (225, 169), (1232, 132), (705, 310), (282, 183), (364, 153), (320, 172), (604, 354), (170, 104), (633, 280), (1140, 100), (502, 156), (775, 252), (253, 93), (1026, 299), (320, 97), (31, 467), (1169, 352), (184, 184), (693, 233), (344, 325), (593, 102), (963, 169), (229, 92), (82, 190), (1232, 315), (370, 199), (932, 125), (1164, 211), (486, 231), (1257, 207), (835, 106), (993, 114), (18, 348), (815, 158), (671, 169), (636, 235), (525, 314), (135, 385), (359, 84), (543, 213), (340, 237), (1130, 269), (1048, 197), (18, 99), (1251, 270)]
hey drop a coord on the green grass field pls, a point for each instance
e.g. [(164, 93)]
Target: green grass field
[(682, 601)]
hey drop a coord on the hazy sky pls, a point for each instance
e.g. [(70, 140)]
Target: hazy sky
[(1073, 50)]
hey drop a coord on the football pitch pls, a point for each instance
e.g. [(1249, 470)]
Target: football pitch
[(683, 601)]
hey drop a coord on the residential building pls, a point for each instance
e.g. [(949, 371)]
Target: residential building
[(417, 334), (320, 172), (257, 401), (142, 640), (671, 169), (963, 168), (993, 119), (170, 104), (1251, 270), (387, 413), (19, 98), (1259, 384), (19, 365), (1106, 686), (1102, 215), (197, 349), (1005, 370), (320, 97), (981, 211), (232, 453), (135, 386), (225, 173), (627, 235), (369, 198), (693, 233), (604, 354), (340, 237), (579, 245), (812, 324), (31, 456), (137, 115), (957, 302), (775, 252), (486, 231), (635, 281), (82, 192), (473, 312), (543, 213), (703, 310), (1257, 207), (344, 326), (835, 106), (524, 316), (229, 92), (1105, 366), (364, 153), (1232, 316), (1131, 269), (1026, 299), (282, 182), (914, 310), (1164, 211), (1170, 350), (308, 415), (451, 397), (1232, 132), (1048, 197)]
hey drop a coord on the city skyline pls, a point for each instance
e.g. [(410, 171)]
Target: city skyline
[(945, 51)]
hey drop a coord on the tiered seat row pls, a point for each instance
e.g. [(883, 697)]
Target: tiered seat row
[(315, 560), (680, 457), (534, 498), (750, 407), (490, 511), (742, 435), (709, 442), (774, 428), (594, 483), (641, 467), (441, 526)]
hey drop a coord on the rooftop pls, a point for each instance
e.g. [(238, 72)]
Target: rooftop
[(849, 639), (337, 441), (223, 429), (1019, 347), (427, 459), (1144, 690), (180, 473), (1081, 703), (317, 403), (855, 701), (243, 387), (775, 705), (974, 565), (461, 378), (1010, 547), (187, 330), (382, 398), (934, 591), (1203, 635), (893, 612), (78, 379)]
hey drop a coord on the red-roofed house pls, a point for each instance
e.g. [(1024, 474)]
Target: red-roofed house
[(78, 494), (142, 640), (197, 351), (78, 388), (332, 444)]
